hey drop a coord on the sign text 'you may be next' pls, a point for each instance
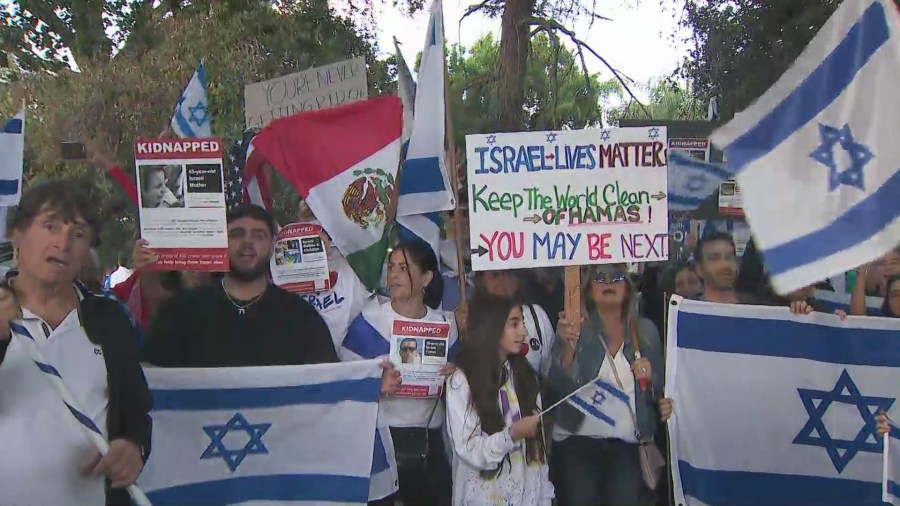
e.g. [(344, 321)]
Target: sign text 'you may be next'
[(577, 197)]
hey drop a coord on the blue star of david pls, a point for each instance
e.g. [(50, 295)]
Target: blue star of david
[(859, 156), (604, 135), (233, 458), (814, 432), (491, 139), (653, 133), (551, 137), (199, 114), (598, 398), (695, 182)]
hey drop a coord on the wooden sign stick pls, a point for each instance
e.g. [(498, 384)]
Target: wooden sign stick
[(572, 285)]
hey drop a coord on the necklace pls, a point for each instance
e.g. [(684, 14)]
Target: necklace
[(242, 309)]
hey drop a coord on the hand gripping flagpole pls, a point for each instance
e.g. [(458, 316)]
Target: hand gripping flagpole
[(87, 425)]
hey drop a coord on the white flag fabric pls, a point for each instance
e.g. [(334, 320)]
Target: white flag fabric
[(191, 118), (295, 435), (773, 409), (602, 401), (12, 159), (424, 184), (826, 132)]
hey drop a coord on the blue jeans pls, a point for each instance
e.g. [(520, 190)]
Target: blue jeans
[(597, 472)]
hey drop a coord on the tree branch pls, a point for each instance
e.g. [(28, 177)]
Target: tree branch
[(549, 25)]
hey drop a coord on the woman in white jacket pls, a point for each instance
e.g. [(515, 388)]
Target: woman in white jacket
[(498, 449)]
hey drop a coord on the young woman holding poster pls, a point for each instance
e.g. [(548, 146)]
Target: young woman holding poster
[(601, 463), (409, 428), (498, 449)]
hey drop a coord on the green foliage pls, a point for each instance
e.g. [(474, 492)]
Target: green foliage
[(668, 101), (557, 92), (744, 46), (112, 101)]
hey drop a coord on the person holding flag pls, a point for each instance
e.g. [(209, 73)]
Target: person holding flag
[(599, 458), (499, 456), (90, 345)]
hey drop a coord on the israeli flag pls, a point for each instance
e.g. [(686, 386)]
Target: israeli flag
[(424, 184), (773, 409), (692, 181), (406, 90), (295, 434), (602, 401), (191, 117), (817, 155), (12, 159)]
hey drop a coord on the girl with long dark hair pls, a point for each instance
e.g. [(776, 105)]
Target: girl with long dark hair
[(409, 428), (492, 405)]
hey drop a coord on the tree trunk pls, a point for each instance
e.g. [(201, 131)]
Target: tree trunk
[(515, 42)]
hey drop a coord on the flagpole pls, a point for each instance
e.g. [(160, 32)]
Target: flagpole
[(454, 177)]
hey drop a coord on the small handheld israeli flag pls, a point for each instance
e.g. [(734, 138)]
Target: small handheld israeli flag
[(601, 401), (12, 155), (692, 181), (191, 118)]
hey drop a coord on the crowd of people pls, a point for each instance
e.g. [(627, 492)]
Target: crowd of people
[(513, 351)]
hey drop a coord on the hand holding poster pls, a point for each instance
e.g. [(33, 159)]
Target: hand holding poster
[(182, 205), (300, 262), (579, 197), (419, 350)]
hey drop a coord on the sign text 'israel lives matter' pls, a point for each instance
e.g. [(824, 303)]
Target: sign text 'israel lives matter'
[(577, 197)]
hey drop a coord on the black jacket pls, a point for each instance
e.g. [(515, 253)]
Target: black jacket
[(108, 325)]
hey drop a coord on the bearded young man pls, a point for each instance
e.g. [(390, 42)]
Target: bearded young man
[(89, 340), (242, 320)]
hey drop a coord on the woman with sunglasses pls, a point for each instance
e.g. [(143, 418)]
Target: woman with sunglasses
[(600, 462), (492, 401)]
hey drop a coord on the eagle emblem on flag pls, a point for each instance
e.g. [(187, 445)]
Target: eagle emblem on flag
[(367, 199)]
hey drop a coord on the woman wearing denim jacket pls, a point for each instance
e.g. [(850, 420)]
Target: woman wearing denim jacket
[(598, 462)]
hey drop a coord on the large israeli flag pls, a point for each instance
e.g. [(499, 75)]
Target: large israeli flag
[(817, 155), (425, 188), (295, 435), (191, 118), (773, 409)]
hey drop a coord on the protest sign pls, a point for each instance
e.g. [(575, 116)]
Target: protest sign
[(695, 147), (543, 199), (730, 201), (300, 263), (181, 202), (310, 90), (419, 350)]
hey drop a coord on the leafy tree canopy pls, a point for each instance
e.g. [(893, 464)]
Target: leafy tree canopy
[(743, 46), (667, 101), (115, 98), (558, 94)]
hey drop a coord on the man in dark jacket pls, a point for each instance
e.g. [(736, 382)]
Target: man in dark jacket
[(89, 341)]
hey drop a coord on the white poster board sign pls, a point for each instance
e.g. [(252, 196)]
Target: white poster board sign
[(300, 262), (310, 90), (578, 197), (181, 202), (419, 350)]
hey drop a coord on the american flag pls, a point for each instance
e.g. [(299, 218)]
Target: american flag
[(234, 176)]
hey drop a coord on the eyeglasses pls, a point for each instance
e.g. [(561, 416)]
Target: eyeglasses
[(609, 277), (407, 348)]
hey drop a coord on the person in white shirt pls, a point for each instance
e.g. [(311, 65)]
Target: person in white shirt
[(414, 439), (539, 341), (119, 275), (493, 399), (89, 341), (599, 463)]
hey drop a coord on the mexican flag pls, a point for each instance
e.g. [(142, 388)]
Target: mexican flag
[(343, 161)]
